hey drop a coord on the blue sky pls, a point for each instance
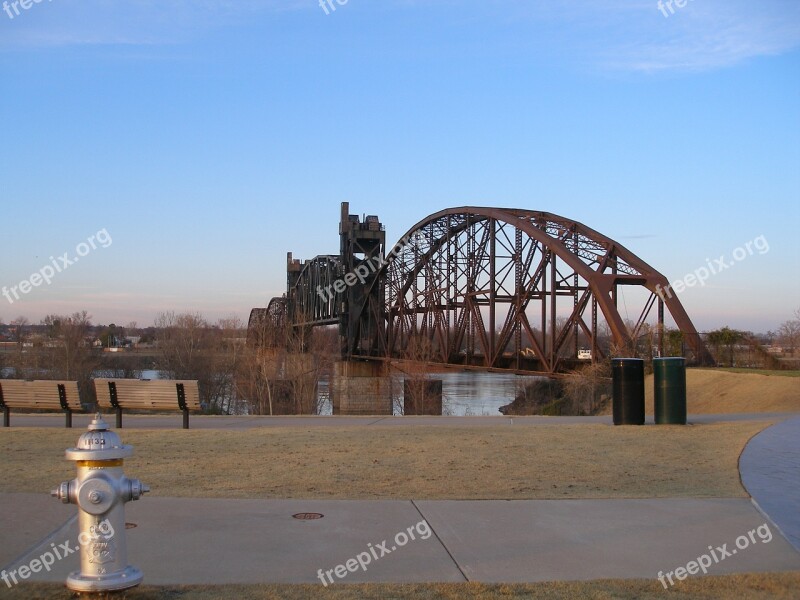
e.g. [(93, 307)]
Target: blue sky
[(209, 138)]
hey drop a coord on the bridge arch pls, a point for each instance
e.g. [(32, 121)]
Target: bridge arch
[(512, 288)]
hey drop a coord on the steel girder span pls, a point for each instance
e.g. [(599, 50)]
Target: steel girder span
[(310, 297), (265, 326), (512, 289), (307, 301)]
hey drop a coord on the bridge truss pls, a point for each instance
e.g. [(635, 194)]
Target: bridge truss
[(484, 287)]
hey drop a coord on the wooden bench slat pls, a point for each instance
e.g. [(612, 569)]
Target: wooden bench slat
[(158, 394), (41, 394), (140, 393)]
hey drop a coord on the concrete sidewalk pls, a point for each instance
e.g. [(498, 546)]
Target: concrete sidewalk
[(770, 469), (196, 541), (253, 422)]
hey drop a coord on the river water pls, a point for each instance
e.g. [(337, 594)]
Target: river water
[(464, 393)]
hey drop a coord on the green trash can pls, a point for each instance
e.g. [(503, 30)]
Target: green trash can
[(627, 388), (669, 379)]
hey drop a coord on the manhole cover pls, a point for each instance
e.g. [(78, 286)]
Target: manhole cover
[(130, 525), (308, 516)]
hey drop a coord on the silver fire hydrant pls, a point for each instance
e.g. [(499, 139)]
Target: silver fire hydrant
[(101, 490)]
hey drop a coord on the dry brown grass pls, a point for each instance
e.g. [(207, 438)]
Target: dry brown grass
[(713, 391), (493, 462), (760, 586)]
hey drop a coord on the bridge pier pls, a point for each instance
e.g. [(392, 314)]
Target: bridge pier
[(361, 388)]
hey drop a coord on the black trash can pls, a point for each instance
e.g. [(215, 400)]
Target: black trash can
[(628, 390), (669, 379)]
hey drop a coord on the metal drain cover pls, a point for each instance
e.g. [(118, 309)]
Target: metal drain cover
[(308, 516)]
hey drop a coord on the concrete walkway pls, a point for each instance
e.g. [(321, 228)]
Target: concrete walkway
[(235, 423), (196, 541), (217, 541), (770, 469)]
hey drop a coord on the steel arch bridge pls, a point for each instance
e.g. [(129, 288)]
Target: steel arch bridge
[(489, 288)]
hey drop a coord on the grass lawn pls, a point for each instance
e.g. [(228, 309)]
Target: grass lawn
[(729, 391), (762, 586), (502, 461), (494, 462), (766, 372)]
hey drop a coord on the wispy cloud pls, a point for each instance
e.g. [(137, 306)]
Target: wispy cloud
[(708, 34), (133, 22), (634, 35), (610, 35)]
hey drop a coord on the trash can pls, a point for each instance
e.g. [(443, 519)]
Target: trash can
[(628, 390), (669, 379)]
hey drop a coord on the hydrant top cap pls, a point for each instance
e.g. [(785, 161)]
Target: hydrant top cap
[(98, 443), (98, 423)]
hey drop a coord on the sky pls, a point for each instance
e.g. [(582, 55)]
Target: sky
[(180, 149)]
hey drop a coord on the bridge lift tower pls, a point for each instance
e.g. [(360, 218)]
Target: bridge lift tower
[(362, 303)]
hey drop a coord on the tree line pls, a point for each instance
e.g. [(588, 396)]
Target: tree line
[(232, 376)]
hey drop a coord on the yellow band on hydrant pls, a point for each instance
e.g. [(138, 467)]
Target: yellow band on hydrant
[(100, 463)]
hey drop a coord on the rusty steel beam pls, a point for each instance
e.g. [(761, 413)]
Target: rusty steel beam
[(487, 288), (467, 263)]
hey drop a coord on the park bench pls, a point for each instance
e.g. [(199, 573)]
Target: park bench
[(148, 394), (40, 394)]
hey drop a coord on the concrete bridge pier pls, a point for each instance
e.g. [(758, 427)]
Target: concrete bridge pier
[(361, 388)]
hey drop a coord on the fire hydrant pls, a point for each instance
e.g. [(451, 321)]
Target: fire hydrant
[(101, 490)]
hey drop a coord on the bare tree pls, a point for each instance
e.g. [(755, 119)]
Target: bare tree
[(228, 352), (789, 332), (281, 368), (20, 329), (256, 376), (69, 349), (586, 389), (65, 352), (419, 391), (23, 363), (187, 345)]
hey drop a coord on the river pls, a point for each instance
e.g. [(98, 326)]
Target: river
[(464, 393)]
